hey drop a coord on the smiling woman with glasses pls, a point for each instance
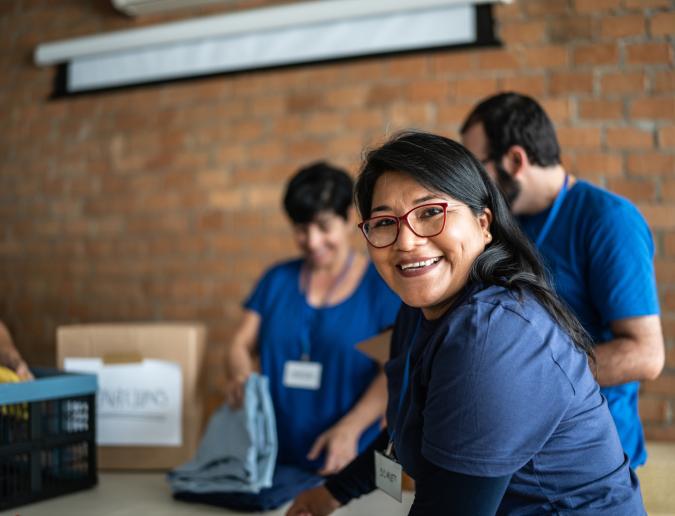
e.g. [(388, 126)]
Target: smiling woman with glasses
[(493, 407)]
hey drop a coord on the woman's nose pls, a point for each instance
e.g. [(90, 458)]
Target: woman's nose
[(407, 239)]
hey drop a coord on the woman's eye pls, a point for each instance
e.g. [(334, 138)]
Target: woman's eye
[(431, 211), (382, 223)]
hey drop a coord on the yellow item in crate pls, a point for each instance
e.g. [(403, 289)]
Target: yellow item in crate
[(19, 411), (8, 376)]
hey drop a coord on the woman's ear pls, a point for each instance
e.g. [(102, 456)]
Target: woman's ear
[(485, 221)]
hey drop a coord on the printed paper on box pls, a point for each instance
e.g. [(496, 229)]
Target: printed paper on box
[(137, 404)]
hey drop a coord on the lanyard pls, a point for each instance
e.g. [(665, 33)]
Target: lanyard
[(306, 346), (404, 385), (553, 213)]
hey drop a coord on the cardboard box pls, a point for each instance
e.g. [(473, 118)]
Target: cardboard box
[(137, 345)]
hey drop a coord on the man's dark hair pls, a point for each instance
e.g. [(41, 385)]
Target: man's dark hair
[(315, 188), (513, 119)]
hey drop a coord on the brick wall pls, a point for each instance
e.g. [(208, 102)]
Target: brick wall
[(163, 203)]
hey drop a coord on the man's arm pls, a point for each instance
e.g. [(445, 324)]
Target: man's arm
[(636, 353)]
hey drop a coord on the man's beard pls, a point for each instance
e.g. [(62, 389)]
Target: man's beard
[(509, 187)]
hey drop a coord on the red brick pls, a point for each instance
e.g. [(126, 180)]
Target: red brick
[(649, 53), (596, 109), (622, 83), (664, 82), (579, 137), (321, 123), (455, 113), (545, 7), (353, 95), (634, 189), (665, 271), (658, 108), (383, 94), (662, 24), (668, 190), (571, 82), (523, 32), (558, 109), (660, 433), (651, 164), (654, 410), (590, 164), (497, 60), (533, 85), (670, 354), (404, 115), (563, 29), (546, 56), (612, 27), (596, 54), (475, 88), (506, 12), (667, 137), (659, 216), (628, 138), (427, 90), (453, 62), (365, 120), (669, 248), (641, 4), (585, 6), (302, 102), (407, 66)]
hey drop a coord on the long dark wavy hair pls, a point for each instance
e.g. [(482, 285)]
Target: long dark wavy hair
[(444, 166)]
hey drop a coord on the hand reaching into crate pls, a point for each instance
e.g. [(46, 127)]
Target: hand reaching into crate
[(10, 356)]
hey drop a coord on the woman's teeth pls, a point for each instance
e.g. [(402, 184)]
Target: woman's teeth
[(417, 265)]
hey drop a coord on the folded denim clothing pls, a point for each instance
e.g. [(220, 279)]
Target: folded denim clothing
[(288, 482), (238, 450)]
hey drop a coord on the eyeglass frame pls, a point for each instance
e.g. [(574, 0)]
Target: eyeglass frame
[(404, 218)]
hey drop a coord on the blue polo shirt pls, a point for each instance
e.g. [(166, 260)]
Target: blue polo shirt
[(287, 321), (600, 253), (497, 388)]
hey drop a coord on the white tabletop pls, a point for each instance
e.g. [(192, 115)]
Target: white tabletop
[(148, 494)]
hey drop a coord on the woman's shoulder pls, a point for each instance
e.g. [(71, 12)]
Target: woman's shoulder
[(491, 310)]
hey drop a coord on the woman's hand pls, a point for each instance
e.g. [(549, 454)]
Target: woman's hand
[(234, 390), (23, 372), (341, 445), (314, 502)]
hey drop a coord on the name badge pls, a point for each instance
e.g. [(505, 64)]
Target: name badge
[(388, 476), (302, 375)]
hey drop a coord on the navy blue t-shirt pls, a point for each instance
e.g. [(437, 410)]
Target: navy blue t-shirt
[(497, 388), (333, 332), (600, 253)]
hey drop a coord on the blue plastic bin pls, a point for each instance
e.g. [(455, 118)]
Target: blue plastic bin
[(47, 436)]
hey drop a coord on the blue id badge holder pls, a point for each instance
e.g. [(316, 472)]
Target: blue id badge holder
[(389, 473)]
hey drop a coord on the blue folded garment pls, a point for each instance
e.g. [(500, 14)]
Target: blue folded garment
[(238, 450), (288, 482)]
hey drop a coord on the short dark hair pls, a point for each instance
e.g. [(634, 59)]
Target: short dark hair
[(444, 166), (514, 119), (315, 188)]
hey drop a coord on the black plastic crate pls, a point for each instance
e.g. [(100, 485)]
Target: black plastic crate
[(47, 437)]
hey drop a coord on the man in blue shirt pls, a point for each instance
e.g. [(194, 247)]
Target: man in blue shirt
[(596, 244)]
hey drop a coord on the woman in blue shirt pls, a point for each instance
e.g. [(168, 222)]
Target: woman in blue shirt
[(493, 408), (303, 320)]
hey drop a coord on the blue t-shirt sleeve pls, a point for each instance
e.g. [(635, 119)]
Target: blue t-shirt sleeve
[(621, 267), (495, 395), (264, 291)]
